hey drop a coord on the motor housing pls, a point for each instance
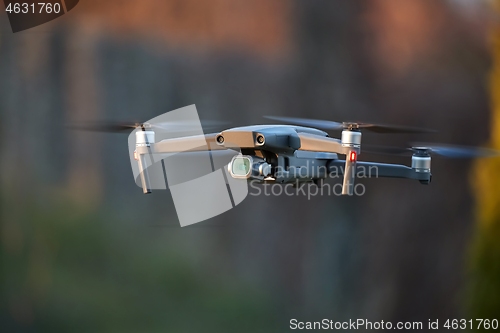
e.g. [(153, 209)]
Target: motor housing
[(421, 160), (144, 138), (351, 138)]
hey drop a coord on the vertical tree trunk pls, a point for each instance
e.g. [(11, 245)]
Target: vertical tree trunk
[(485, 287)]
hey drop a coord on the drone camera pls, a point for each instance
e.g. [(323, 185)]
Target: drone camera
[(245, 167), (241, 167)]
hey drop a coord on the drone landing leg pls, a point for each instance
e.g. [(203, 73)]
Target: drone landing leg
[(349, 177), (146, 187)]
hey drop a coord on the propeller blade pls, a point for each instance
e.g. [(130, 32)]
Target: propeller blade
[(333, 125), (321, 124), (448, 151), (386, 150), (451, 151), (102, 126), (119, 127), (181, 126), (378, 128)]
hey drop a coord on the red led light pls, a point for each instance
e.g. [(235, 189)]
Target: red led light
[(352, 156)]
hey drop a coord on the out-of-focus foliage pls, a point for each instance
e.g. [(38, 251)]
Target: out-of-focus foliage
[(485, 289), (75, 271)]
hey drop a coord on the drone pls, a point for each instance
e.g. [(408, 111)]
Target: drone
[(299, 150)]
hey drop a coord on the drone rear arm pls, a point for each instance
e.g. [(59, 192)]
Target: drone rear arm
[(386, 170)]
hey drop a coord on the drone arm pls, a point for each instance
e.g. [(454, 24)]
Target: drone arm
[(385, 170), (318, 143), (185, 144)]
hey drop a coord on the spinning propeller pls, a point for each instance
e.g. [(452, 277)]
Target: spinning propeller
[(426, 149), (333, 125), (121, 127)]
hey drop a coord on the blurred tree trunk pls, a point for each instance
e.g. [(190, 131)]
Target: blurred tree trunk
[(485, 288)]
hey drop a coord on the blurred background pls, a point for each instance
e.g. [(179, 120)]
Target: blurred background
[(83, 250)]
